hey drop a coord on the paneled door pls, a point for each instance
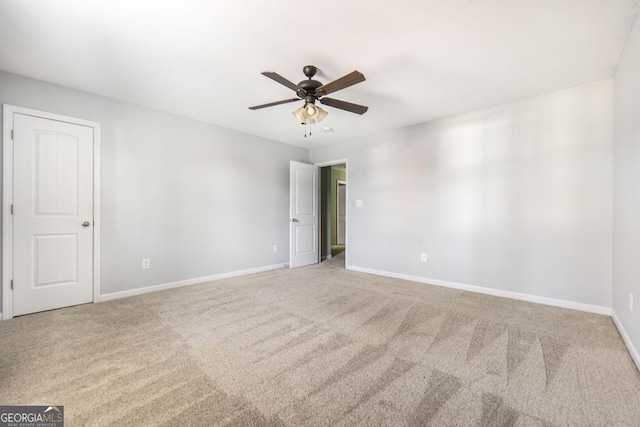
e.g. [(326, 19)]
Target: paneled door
[(303, 230), (52, 214)]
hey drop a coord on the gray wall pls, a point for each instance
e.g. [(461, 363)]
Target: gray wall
[(515, 197), (626, 237), (196, 199)]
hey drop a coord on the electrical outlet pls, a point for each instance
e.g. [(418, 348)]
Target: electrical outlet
[(146, 264), (630, 301), (275, 248), (423, 257)]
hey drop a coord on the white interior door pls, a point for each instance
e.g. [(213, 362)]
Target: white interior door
[(303, 229), (52, 214), (342, 212)]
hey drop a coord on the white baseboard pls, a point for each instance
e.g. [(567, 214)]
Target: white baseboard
[(187, 282), (625, 337), (488, 291)]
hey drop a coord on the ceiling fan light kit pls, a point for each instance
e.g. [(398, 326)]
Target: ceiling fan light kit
[(310, 114), (311, 91)]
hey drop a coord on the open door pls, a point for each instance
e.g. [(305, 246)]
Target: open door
[(303, 226)]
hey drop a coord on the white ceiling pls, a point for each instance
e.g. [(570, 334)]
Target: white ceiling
[(423, 59)]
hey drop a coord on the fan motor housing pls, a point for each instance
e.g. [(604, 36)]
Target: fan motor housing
[(309, 85)]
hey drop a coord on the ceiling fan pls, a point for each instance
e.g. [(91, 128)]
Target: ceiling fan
[(312, 90)]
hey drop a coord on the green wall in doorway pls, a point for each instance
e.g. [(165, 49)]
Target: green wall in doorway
[(329, 178), (336, 175)]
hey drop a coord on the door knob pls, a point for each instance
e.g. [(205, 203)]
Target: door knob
[(85, 224), (294, 220)]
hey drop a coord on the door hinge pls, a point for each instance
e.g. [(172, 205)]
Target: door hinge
[(11, 284), (12, 134), (11, 209)]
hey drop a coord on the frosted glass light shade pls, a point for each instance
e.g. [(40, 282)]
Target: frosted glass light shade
[(321, 114), (310, 114), (300, 114)]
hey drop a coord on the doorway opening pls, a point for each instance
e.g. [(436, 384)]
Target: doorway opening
[(333, 211)]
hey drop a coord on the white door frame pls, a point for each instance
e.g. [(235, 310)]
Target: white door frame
[(7, 199), (346, 212)]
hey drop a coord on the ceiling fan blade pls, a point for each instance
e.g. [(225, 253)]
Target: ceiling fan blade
[(343, 105), (278, 78), (341, 83), (271, 104)]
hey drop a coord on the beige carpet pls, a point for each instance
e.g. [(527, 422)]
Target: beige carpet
[(320, 346)]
